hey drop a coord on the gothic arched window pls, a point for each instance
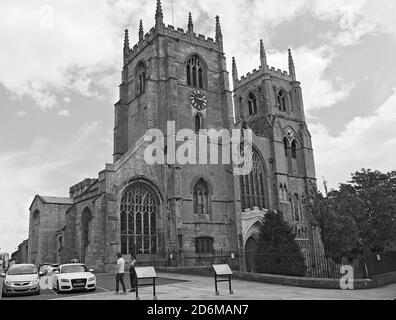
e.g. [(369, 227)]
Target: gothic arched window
[(252, 185), (86, 219), (140, 78), (252, 104), (282, 100), (201, 197), (139, 209), (195, 72)]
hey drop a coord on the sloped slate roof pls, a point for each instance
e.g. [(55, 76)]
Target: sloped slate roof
[(53, 200), (56, 200)]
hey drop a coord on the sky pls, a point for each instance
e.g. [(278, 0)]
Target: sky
[(60, 67)]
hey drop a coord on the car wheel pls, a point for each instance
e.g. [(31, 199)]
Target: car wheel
[(3, 294), (38, 293), (93, 290)]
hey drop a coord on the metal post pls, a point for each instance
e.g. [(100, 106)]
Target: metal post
[(217, 292), (154, 296), (137, 289), (229, 279)]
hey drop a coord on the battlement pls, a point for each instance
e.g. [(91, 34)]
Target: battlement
[(80, 187), (177, 33), (276, 73)]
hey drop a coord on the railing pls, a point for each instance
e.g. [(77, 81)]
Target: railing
[(308, 265)]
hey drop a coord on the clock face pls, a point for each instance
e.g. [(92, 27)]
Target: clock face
[(198, 100)]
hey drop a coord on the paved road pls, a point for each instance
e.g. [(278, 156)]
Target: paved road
[(104, 283)]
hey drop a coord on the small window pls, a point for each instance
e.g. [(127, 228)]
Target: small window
[(285, 147), (252, 104), (282, 102), (197, 123), (204, 245), (294, 150), (241, 107), (180, 238), (140, 78)]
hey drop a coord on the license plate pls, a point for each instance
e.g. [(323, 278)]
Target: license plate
[(79, 284)]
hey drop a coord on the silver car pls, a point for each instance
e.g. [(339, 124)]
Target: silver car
[(21, 278)]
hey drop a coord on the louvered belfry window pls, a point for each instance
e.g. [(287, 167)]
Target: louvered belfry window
[(195, 72)]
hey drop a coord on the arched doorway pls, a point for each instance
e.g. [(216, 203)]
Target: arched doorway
[(250, 253)]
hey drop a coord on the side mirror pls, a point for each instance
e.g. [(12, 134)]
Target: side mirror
[(56, 272), (3, 275), (41, 273), (91, 270)]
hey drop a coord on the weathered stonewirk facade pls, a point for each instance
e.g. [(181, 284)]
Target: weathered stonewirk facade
[(152, 210)]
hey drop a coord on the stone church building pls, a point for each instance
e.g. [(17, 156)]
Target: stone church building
[(158, 211)]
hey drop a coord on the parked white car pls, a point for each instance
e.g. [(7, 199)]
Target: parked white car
[(21, 278), (74, 276)]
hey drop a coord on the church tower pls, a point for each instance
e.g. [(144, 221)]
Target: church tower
[(177, 77), (269, 101)]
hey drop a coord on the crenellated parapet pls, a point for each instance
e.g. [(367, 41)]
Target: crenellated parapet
[(257, 73), (176, 33)]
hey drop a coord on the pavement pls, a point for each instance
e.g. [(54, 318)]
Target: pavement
[(192, 287), (171, 286), (105, 283)]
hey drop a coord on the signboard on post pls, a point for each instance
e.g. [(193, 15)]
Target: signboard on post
[(222, 270), (145, 273)]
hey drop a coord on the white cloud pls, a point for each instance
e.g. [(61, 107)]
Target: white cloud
[(63, 113), (21, 113), (67, 100), (366, 142), (32, 171), (311, 64)]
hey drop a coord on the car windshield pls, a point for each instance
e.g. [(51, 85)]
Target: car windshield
[(74, 268), (20, 270)]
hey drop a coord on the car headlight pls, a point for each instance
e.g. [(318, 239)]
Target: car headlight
[(64, 280), (35, 281), (92, 279), (8, 282)]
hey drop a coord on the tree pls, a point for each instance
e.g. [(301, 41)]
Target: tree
[(338, 232), (277, 251), (360, 217)]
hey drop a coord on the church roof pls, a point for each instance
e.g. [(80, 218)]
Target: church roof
[(56, 200), (53, 200)]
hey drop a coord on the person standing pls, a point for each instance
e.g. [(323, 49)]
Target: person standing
[(132, 273), (120, 273)]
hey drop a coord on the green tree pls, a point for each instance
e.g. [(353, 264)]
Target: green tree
[(277, 251), (360, 217)]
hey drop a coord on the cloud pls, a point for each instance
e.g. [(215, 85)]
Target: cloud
[(366, 142), (52, 49), (48, 167), (311, 65), (63, 113), (21, 113)]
